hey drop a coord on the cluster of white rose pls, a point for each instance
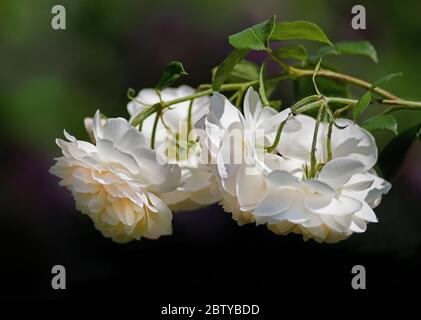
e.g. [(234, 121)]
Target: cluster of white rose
[(129, 180)]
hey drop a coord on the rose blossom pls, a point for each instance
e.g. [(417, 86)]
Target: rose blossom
[(236, 143), (338, 200), (116, 181), (174, 142)]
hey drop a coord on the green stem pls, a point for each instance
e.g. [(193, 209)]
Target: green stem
[(298, 72), (304, 101), (310, 106), (278, 136), (313, 160), (329, 141), (141, 116), (313, 77), (329, 132), (187, 98), (159, 106), (342, 77), (402, 103), (155, 125), (189, 116), (342, 110), (293, 72), (397, 104), (239, 98), (341, 100)]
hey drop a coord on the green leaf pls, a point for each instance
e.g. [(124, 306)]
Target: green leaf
[(385, 79), (362, 48), (226, 67), (254, 38), (381, 122), (244, 71), (172, 72), (295, 52), (299, 30), (262, 90), (361, 105), (391, 157)]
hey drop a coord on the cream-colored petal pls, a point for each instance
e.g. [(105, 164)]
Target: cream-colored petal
[(249, 188), (275, 203), (327, 205), (338, 171)]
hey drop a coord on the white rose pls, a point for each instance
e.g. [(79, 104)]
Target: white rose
[(235, 143), (339, 199), (197, 184), (116, 181)]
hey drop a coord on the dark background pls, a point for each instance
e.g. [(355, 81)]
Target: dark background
[(50, 80)]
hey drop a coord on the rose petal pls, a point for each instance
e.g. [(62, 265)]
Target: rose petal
[(338, 171)]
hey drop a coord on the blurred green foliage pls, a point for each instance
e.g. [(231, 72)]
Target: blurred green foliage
[(51, 80)]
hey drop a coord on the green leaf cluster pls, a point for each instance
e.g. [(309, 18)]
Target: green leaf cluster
[(235, 73)]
